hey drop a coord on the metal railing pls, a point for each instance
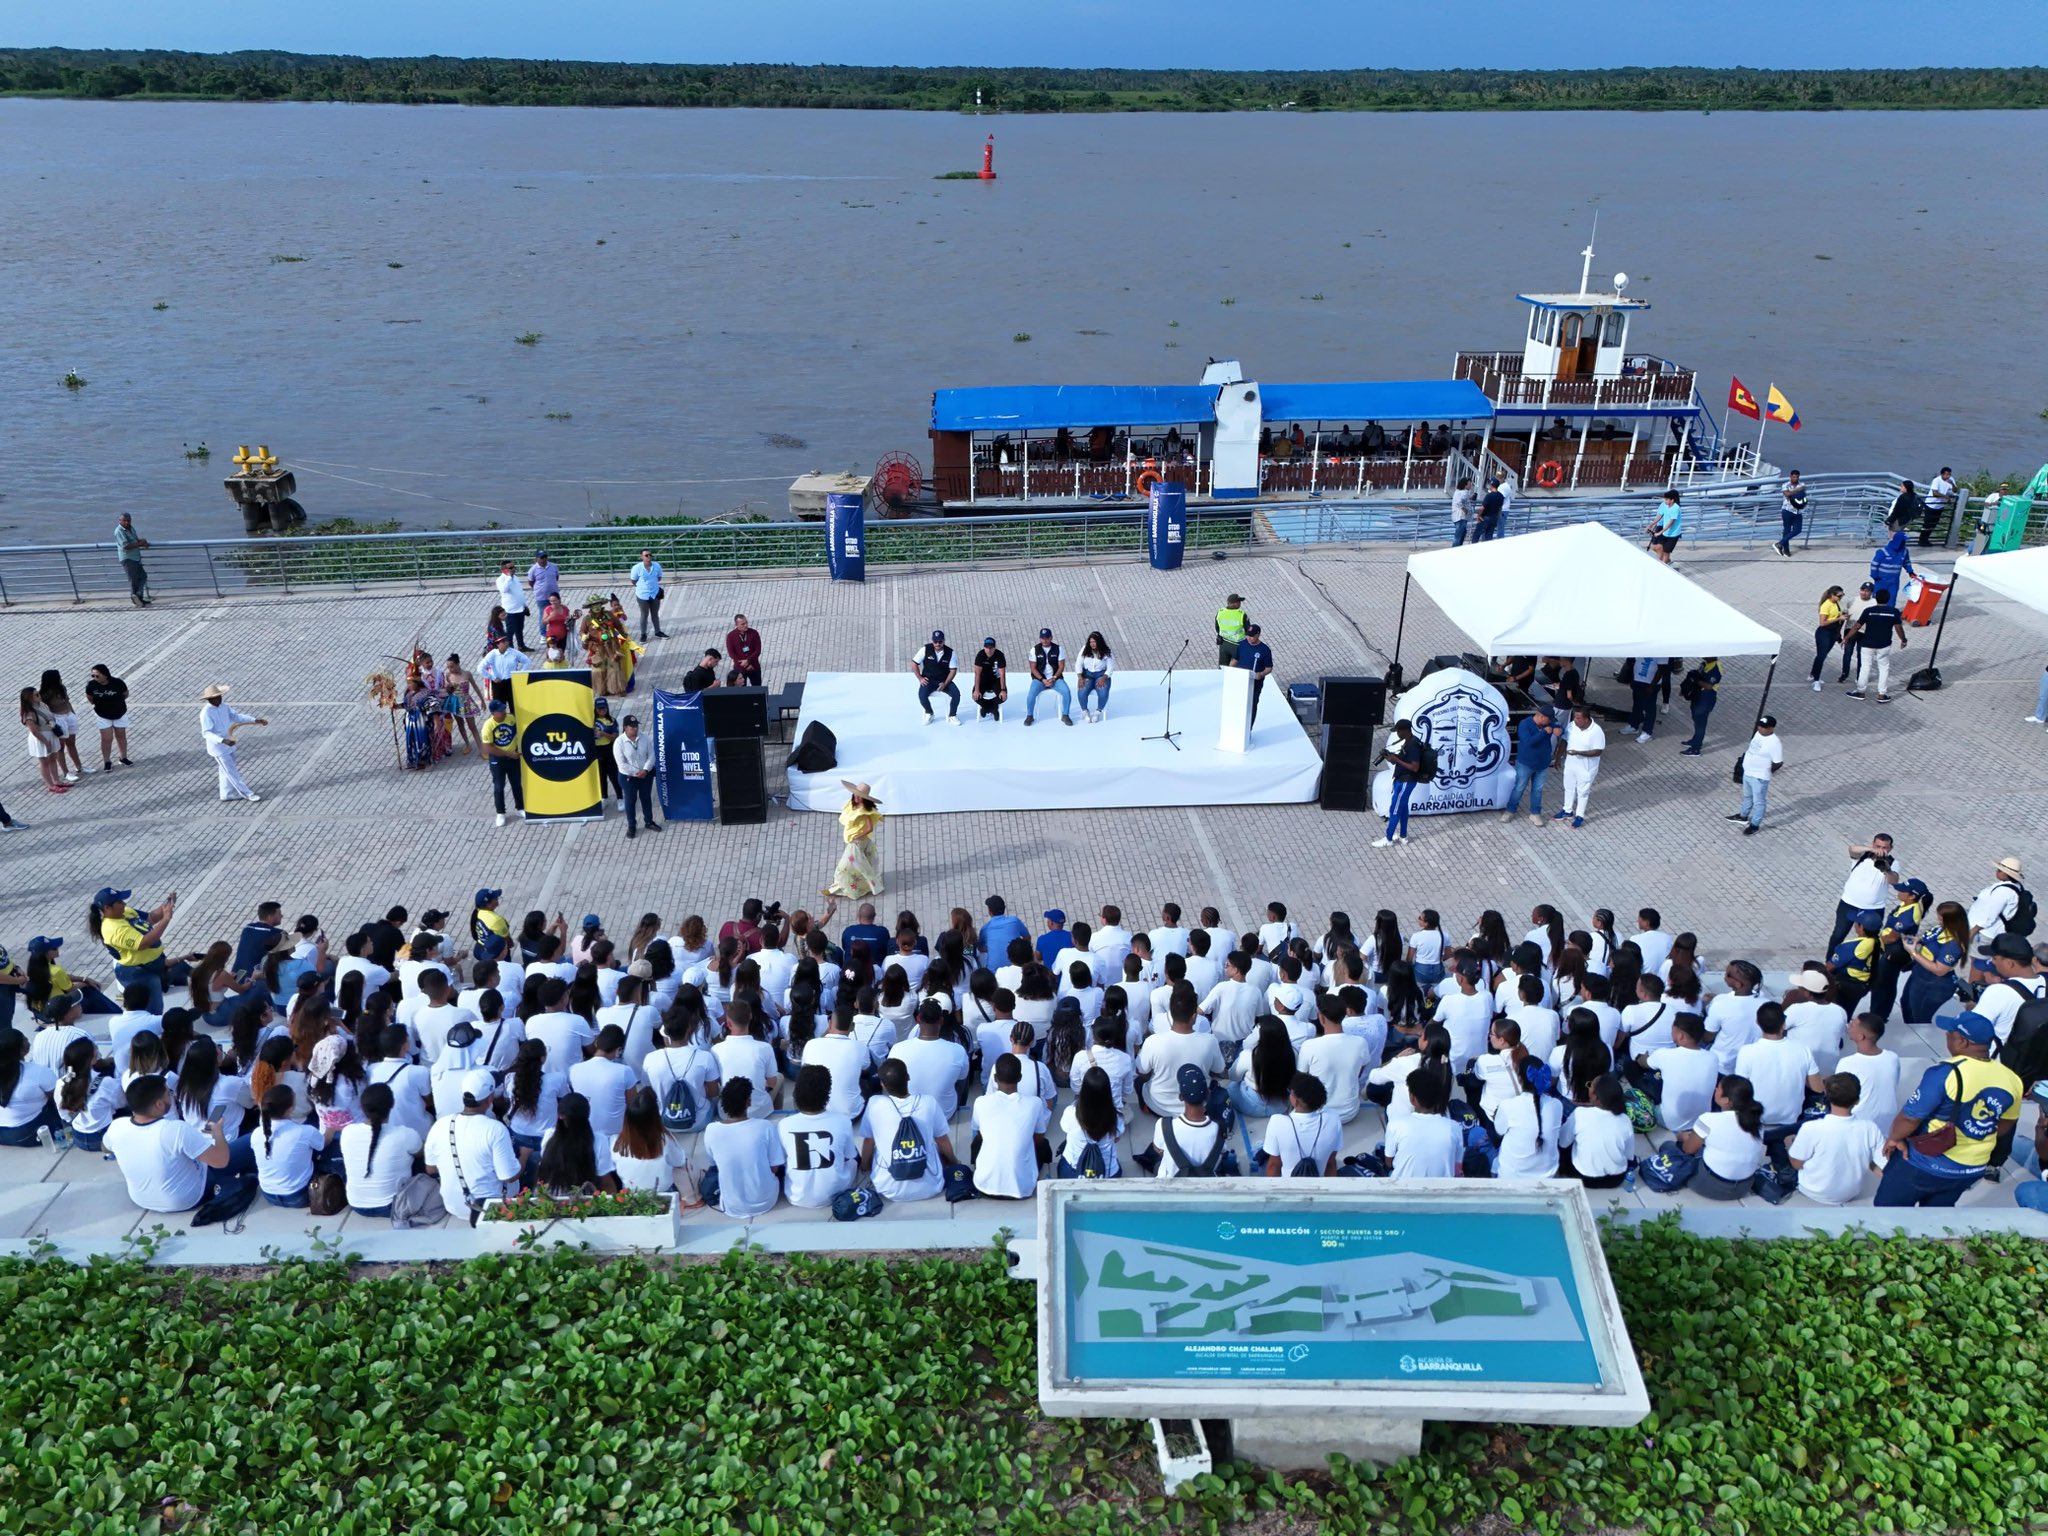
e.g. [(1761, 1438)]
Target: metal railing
[(589, 557), (1840, 506), (1851, 506)]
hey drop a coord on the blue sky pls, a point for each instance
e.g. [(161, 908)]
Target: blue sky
[(1215, 34)]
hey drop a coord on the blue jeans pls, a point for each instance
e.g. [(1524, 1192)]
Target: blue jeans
[(1925, 993), (1903, 1184), (2041, 698), (1459, 529), (1096, 688), (25, 1135), (1397, 808), (1247, 1102), (1755, 792), (1642, 715), (950, 690), (1702, 707), (151, 975), (1059, 687), (1532, 777)]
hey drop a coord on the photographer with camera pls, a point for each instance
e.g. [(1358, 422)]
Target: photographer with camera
[(759, 926), (1868, 890)]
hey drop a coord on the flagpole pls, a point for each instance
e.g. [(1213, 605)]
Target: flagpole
[(1763, 419)]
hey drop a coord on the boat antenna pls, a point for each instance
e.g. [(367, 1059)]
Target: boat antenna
[(1586, 271)]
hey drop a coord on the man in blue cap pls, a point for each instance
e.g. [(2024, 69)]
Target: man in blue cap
[(934, 668), (136, 940), (1055, 938), (1958, 1124)]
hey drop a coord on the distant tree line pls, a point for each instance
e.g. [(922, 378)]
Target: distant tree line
[(109, 74)]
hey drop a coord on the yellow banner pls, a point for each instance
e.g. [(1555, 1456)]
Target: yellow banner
[(556, 712)]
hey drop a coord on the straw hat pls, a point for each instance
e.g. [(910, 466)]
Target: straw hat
[(214, 691), (2009, 865), (858, 791)]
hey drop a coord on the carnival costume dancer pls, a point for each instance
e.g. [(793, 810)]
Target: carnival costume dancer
[(858, 876)]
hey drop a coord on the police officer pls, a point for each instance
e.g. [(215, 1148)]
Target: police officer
[(1256, 657), (501, 751), (1230, 624)]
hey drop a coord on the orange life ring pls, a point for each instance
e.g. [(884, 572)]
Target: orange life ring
[(1550, 473), (1147, 478)]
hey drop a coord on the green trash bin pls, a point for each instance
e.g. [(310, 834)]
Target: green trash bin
[(2009, 526)]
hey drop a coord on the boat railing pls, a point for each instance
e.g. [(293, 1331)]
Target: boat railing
[(1022, 476), (1644, 380), (1844, 506)]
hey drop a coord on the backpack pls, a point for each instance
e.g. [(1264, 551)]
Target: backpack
[(418, 1204), (2024, 915), (327, 1195), (2025, 1052), (1186, 1166), (1305, 1167), (680, 1107), (1689, 685), (909, 1158), (1093, 1165), (1425, 761), (1672, 1168)]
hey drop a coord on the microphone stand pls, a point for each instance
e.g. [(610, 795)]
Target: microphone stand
[(1170, 736)]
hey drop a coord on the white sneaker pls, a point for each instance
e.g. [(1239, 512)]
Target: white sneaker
[(501, 818), (952, 719), (930, 719), (1645, 736), (1383, 842), (1816, 685), (1402, 838), (71, 776), (2031, 719), (253, 796)]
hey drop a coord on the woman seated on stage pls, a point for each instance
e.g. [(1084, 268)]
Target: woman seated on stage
[(1095, 665)]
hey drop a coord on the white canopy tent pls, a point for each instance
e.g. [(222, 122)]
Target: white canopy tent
[(1580, 591), (2020, 574)]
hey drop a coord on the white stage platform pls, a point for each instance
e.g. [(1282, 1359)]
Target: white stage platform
[(918, 769)]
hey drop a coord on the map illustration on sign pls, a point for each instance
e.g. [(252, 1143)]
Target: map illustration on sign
[(1326, 1295), (1156, 1291)]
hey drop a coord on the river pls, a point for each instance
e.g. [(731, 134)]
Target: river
[(725, 299)]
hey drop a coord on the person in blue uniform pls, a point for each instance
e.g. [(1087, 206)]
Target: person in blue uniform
[(1256, 657)]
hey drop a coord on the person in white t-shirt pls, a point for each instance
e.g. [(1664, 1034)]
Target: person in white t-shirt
[(1233, 1006), (1363, 1018), (171, 1165), (1190, 1135), (938, 1065), (377, 1153), (1540, 1025), (1009, 1131), (605, 1080), (1689, 1072), (1584, 744), (1109, 943), (1780, 1070), (1465, 1016), (1597, 1138), (27, 1109), (820, 1155), (1277, 931), (2015, 980), (1528, 1125), (1163, 1055), (683, 1058), (1309, 1135), (470, 1151), (1833, 1153), (1425, 1143), (1105, 1052), (565, 1034), (842, 1058), (1761, 760), (1169, 938), (743, 1053), (1091, 1121), (1337, 1059), (1813, 1017), (436, 1014), (1876, 1068), (644, 1155), (905, 1144), (744, 1154), (1728, 1140), (285, 1150)]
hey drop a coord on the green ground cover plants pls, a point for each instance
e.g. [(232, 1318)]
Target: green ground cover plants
[(1826, 1386)]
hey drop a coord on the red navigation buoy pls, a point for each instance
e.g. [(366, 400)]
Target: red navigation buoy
[(988, 159)]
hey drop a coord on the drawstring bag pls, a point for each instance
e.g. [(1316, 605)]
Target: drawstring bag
[(1671, 1169)]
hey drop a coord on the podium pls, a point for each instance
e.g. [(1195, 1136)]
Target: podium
[(1234, 733)]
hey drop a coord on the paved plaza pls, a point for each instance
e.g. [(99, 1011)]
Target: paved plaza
[(343, 832)]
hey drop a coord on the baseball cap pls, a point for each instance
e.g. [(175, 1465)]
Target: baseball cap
[(1811, 981), (498, 706), (641, 970), (1973, 1027), (540, 554), (2010, 946), (59, 1006), (485, 893), (42, 946), (1767, 722), (988, 639), (107, 896), (1194, 1084), (1251, 629), (461, 1034), (478, 1086), (1055, 915), (938, 636), (590, 920), (630, 720), (1235, 597), (1045, 634)]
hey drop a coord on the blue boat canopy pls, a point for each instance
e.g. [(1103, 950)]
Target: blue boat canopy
[(1045, 407), (1380, 400), (1041, 407)]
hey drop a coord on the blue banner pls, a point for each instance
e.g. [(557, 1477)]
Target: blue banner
[(1166, 525), (846, 537), (682, 757)]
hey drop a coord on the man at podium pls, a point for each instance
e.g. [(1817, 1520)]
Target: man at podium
[(1256, 657)]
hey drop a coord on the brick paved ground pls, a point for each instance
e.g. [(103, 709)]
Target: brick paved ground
[(343, 832)]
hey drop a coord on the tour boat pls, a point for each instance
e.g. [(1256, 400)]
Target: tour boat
[(1573, 412)]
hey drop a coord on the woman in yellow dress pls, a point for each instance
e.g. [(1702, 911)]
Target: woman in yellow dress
[(858, 875)]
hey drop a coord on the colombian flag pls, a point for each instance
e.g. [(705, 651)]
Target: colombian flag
[(1742, 402), (1780, 409)]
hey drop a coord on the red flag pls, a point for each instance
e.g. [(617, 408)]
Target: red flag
[(1742, 402)]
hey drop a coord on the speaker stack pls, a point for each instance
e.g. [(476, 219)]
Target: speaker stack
[(1352, 708), (736, 720)]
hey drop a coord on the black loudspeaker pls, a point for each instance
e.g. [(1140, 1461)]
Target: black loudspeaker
[(1358, 701), (1348, 761), (731, 712), (742, 780), (817, 749)]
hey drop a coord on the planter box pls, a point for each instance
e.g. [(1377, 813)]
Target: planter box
[(610, 1234)]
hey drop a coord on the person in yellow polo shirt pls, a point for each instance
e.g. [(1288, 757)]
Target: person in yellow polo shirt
[(1958, 1123), (136, 939), (488, 929)]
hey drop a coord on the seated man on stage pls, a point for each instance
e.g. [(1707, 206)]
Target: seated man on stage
[(1049, 675), (935, 668), (743, 650), (991, 679)]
